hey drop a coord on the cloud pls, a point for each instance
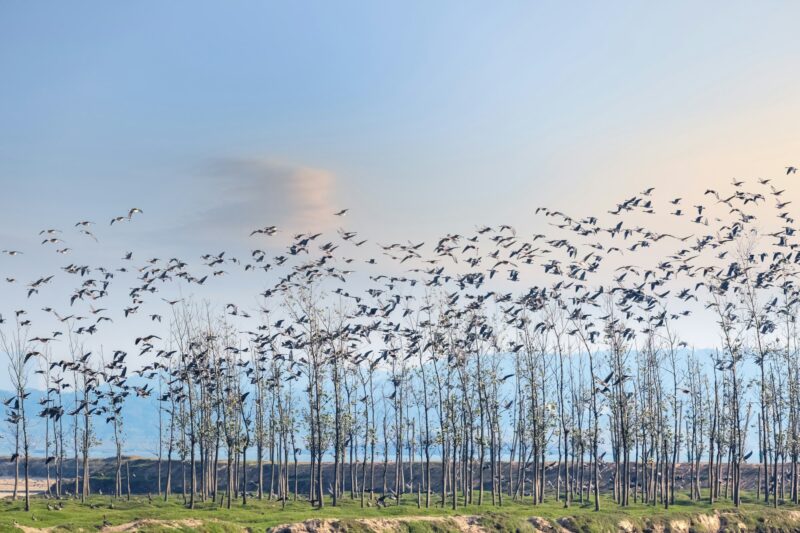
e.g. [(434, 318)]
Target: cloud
[(241, 194)]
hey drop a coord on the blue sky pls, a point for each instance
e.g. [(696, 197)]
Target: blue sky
[(111, 104), (422, 117)]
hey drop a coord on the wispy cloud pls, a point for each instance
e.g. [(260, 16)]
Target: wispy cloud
[(240, 194)]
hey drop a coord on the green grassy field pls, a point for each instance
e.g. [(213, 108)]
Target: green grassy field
[(157, 515)]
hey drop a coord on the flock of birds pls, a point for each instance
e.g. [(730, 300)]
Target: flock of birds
[(390, 292)]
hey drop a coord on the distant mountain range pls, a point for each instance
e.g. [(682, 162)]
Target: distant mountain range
[(140, 423)]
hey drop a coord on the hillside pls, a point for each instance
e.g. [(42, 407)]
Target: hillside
[(144, 475)]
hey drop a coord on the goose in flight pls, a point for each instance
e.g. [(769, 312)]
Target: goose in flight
[(269, 231)]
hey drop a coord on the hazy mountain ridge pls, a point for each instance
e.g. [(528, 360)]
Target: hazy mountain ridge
[(139, 423)]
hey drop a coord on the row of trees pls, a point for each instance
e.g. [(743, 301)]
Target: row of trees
[(452, 386)]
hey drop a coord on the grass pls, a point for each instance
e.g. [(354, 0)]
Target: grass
[(260, 515)]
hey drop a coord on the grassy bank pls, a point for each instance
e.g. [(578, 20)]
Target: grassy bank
[(144, 514)]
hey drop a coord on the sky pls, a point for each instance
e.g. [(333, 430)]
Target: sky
[(421, 117)]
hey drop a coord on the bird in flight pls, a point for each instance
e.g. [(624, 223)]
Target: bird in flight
[(341, 213), (89, 234), (269, 230)]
